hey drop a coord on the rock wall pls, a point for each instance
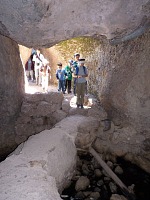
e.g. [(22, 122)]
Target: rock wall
[(38, 112), (119, 76), (11, 92), (24, 53)]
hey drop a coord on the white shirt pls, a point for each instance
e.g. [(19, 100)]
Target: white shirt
[(38, 62)]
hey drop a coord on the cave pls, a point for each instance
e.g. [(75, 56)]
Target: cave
[(114, 38)]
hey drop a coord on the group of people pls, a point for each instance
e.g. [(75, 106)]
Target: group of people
[(76, 70), (37, 67)]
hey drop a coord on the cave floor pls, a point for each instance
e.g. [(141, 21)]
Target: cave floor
[(32, 88)]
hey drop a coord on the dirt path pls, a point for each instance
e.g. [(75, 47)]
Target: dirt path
[(32, 88)]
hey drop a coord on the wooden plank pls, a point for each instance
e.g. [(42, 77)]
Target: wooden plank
[(112, 175)]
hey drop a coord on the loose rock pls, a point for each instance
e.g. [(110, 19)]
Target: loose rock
[(82, 183)]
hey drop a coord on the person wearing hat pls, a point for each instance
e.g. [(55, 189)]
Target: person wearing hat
[(61, 76), (45, 70), (75, 64), (80, 74), (38, 63), (69, 71), (29, 68)]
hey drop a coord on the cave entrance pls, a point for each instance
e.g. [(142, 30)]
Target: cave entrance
[(63, 52)]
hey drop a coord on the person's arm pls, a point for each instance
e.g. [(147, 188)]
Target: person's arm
[(80, 76), (83, 76), (86, 73), (57, 75), (75, 72), (75, 76), (65, 72)]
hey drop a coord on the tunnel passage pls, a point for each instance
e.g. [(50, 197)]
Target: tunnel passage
[(119, 75), (115, 77)]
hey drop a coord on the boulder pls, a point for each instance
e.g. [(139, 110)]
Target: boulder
[(117, 197), (44, 164), (11, 93), (38, 170)]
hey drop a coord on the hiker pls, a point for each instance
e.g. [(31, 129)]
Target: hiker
[(38, 64), (69, 71), (80, 74), (29, 68), (45, 75), (75, 64), (61, 76)]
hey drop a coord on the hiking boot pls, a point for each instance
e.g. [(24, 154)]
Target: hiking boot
[(78, 105), (82, 106)]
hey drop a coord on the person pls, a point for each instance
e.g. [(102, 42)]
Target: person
[(80, 74), (29, 68), (61, 75), (69, 71), (75, 64), (45, 75), (38, 63)]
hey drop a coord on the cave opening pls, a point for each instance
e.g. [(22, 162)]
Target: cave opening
[(62, 52)]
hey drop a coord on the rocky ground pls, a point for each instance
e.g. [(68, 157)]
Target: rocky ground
[(48, 158), (91, 181)]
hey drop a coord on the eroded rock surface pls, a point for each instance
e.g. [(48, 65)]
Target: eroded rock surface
[(43, 164), (11, 92), (38, 112), (52, 21), (120, 79)]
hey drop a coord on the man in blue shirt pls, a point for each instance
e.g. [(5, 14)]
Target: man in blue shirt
[(61, 76)]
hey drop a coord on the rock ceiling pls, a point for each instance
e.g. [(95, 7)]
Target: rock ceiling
[(46, 22)]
